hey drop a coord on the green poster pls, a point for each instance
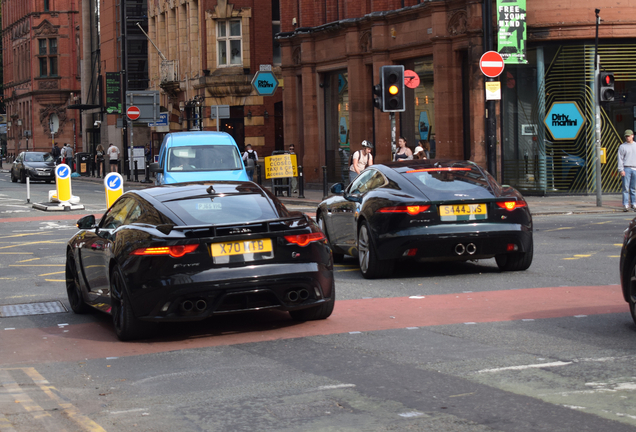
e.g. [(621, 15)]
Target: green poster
[(512, 31)]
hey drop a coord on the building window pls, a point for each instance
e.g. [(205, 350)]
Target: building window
[(47, 53), (46, 5), (229, 43)]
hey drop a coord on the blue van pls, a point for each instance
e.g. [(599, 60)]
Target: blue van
[(198, 156)]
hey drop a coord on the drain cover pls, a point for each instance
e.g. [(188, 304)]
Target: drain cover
[(32, 309)]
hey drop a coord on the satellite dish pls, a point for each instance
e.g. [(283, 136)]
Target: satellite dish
[(54, 123)]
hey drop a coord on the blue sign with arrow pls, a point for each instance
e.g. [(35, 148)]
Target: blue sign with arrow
[(265, 83), (63, 171)]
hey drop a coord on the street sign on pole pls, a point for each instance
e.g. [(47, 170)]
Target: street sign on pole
[(133, 112), (411, 79), (491, 64)]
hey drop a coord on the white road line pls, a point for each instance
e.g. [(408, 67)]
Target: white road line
[(523, 367)]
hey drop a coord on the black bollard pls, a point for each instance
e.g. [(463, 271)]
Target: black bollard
[(324, 183), (104, 168), (146, 174), (136, 175), (301, 182), (259, 179)]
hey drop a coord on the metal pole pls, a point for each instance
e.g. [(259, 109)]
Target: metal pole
[(597, 118), (325, 184), (301, 182), (393, 135), (491, 119), (136, 176), (28, 181)]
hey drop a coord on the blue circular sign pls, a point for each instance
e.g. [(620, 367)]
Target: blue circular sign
[(113, 182), (62, 171)]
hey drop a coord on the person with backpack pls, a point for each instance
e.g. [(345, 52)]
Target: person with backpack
[(55, 152), (360, 160), (250, 158)]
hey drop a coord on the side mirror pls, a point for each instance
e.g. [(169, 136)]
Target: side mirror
[(155, 168), (355, 197), (337, 188), (87, 222)]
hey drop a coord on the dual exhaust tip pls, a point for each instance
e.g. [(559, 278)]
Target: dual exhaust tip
[(294, 296), (197, 306), (470, 249)]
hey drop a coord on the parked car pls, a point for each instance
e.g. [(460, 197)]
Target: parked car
[(427, 210), (628, 267), (35, 165), (184, 253), (198, 156)]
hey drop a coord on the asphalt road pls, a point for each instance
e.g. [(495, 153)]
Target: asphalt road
[(437, 347)]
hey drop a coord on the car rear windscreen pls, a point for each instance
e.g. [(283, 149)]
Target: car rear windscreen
[(450, 183), (204, 158), (226, 209)]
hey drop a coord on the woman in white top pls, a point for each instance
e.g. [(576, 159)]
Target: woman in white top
[(360, 160)]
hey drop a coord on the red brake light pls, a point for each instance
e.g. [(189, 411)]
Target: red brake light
[(173, 251), (511, 205), (412, 210), (445, 169), (305, 239)]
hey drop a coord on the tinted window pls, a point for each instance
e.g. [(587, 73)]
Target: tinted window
[(117, 214), (204, 158), (223, 209), (38, 157), (453, 183)]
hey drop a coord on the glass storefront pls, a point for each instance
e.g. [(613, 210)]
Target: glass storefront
[(337, 142), (547, 118), (418, 120)]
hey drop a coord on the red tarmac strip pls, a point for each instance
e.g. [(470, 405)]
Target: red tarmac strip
[(97, 340)]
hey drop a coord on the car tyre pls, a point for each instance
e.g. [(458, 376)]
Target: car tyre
[(370, 266), (631, 288), (127, 327), (14, 179), (517, 261), (337, 257), (73, 290), (23, 177), (320, 312)]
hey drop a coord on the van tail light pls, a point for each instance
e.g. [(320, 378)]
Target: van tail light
[(511, 205), (412, 210), (305, 239), (174, 251)]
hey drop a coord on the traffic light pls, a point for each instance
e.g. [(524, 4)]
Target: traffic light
[(377, 91), (392, 88), (606, 87)]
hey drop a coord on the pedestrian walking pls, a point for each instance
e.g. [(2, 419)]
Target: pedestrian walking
[(55, 152), (250, 158), (294, 180), (403, 152), (422, 151), (360, 160), (99, 160), (68, 156), (113, 156), (627, 168)]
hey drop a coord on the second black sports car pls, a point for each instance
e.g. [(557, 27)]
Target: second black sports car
[(183, 253), (427, 210)]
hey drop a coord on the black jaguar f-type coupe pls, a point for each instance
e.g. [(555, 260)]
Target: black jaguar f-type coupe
[(427, 210), (183, 253)]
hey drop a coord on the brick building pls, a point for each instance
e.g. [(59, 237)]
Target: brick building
[(212, 50), (41, 73), (332, 52)]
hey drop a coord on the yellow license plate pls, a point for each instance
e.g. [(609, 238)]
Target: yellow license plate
[(463, 212), (240, 247)]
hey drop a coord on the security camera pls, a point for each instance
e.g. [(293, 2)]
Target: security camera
[(97, 123)]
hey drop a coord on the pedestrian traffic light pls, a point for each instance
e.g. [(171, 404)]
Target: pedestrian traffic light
[(377, 96), (606, 87), (392, 88)]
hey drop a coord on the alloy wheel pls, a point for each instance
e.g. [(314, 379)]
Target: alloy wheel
[(363, 249)]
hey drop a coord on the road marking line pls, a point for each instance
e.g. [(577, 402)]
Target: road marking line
[(27, 260), (127, 411), (55, 280), (33, 243), (19, 396), (16, 253), (36, 265), (346, 270), (6, 425), (336, 386), (523, 367), (49, 274), (559, 229), (23, 235)]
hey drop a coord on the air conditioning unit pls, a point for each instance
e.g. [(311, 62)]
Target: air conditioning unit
[(169, 71)]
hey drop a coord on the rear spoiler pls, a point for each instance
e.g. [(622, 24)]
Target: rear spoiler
[(167, 228)]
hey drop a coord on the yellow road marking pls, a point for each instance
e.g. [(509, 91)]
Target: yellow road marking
[(558, 229), (55, 280), (27, 234), (570, 258), (36, 265), (344, 270), (16, 253), (583, 256), (5, 425), (27, 260), (345, 265), (613, 256), (19, 396), (49, 274), (618, 244), (32, 243)]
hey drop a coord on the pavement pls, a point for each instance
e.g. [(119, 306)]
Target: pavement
[(539, 205)]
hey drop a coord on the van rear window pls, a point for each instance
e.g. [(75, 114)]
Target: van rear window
[(204, 158)]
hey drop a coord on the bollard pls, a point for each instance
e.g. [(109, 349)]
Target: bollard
[(301, 182), (104, 168), (258, 174), (28, 180), (146, 174), (136, 175), (324, 183)]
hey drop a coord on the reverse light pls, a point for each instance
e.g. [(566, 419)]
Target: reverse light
[(440, 169), (174, 251), (305, 239), (511, 205), (412, 210)]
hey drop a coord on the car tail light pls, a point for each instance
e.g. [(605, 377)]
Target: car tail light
[(305, 239), (412, 210), (440, 169), (511, 205), (174, 251)]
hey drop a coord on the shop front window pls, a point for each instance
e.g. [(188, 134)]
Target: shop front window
[(337, 145), (418, 120)]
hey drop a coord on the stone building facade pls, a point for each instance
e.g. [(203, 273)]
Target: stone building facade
[(41, 73)]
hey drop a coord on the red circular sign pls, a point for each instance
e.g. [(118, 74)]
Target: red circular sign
[(133, 112), (491, 64), (411, 79)]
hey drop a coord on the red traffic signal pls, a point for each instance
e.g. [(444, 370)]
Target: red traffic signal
[(606, 87)]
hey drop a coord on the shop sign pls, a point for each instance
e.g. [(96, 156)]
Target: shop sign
[(564, 120), (512, 31), (280, 166), (265, 83)]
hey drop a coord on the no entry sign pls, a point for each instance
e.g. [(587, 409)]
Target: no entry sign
[(133, 112), (491, 64)]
